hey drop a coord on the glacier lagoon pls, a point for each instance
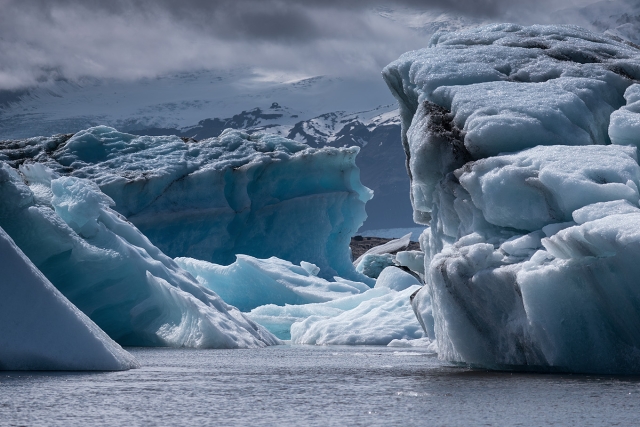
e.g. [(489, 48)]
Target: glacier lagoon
[(505, 281), (315, 386)]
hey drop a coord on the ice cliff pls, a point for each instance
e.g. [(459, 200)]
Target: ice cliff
[(531, 254), (260, 195), (41, 330), (109, 270)]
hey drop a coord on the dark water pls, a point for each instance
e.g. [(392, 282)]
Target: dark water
[(304, 385)]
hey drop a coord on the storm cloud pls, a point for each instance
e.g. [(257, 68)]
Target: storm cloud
[(44, 40)]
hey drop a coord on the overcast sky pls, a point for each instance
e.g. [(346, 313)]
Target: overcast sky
[(41, 40)]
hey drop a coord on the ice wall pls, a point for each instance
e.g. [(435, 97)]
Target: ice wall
[(41, 330), (503, 88), (530, 254), (260, 195), (111, 271)]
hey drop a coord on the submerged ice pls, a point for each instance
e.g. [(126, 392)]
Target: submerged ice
[(531, 252), (109, 270)]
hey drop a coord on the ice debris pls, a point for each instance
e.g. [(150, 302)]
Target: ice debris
[(371, 265), (259, 195), (532, 246), (108, 269), (41, 330)]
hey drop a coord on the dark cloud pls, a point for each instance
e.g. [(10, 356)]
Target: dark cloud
[(42, 40)]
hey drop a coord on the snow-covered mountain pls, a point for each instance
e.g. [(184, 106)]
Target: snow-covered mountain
[(318, 111)]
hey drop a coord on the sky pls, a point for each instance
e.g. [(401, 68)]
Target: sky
[(44, 40)]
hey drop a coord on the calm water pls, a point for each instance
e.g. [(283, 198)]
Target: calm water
[(303, 385)]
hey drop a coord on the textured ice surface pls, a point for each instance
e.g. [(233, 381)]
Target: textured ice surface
[(624, 128), (376, 321), (111, 271), (371, 265), (278, 319), (41, 330), (259, 195), (502, 88), (250, 282), (530, 257), (352, 314)]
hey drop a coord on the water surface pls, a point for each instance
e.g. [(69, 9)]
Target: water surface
[(307, 385)]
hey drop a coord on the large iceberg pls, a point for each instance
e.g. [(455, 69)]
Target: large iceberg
[(260, 195), (111, 271), (41, 330), (530, 257)]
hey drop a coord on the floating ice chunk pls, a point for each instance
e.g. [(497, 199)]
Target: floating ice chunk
[(278, 319), (413, 260), (396, 279), (250, 282), (259, 195), (111, 271), (41, 330), (431, 346), (371, 265), (389, 247), (603, 209), (530, 257), (377, 321)]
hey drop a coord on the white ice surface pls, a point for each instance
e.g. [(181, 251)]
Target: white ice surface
[(395, 279), (41, 330), (503, 88), (377, 321), (111, 271), (250, 282)]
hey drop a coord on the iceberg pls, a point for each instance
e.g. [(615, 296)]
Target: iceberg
[(108, 269), (531, 246), (250, 282), (371, 265), (260, 195), (376, 321), (41, 330)]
